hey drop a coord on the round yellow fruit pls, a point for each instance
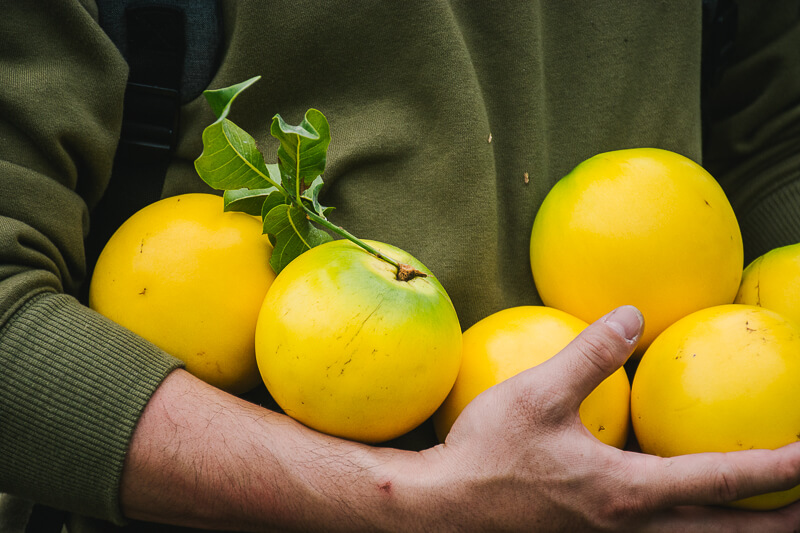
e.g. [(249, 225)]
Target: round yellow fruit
[(510, 341), (645, 227), (347, 349), (189, 278), (721, 379), (773, 281)]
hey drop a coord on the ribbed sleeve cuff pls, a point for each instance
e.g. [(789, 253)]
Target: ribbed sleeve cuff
[(774, 220), (72, 387)]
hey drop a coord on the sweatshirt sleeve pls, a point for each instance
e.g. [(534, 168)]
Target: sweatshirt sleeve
[(753, 143), (72, 384)]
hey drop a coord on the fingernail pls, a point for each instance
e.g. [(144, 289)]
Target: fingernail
[(627, 321)]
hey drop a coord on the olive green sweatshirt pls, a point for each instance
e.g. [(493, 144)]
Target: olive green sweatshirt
[(450, 123)]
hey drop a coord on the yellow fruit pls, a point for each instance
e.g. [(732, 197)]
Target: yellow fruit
[(721, 379), (645, 227), (510, 341), (347, 349), (773, 281), (190, 278)]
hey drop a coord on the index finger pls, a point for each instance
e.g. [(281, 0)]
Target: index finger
[(720, 478)]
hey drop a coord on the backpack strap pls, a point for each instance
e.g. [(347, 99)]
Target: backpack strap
[(720, 20), (155, 48), (720, 24)]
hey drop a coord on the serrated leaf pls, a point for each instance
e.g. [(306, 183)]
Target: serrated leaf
[(248, 201), (220, 100), (291, 233), (231, 160), (302, 153), (312, 195)]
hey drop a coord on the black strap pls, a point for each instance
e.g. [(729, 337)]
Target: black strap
[(720, 21), (156, 45), (45, 519), (720, 25)]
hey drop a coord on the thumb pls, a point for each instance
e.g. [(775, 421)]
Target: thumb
[(595, 354)]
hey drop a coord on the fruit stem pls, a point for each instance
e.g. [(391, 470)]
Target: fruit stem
[(404, 272), (407, 273)]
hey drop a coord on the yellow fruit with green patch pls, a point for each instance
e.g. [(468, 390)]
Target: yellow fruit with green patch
[(348, 349)]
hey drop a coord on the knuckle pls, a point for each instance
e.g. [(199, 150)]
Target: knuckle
[(618, 509), (602, 352), (724, 483), (787, 473), (620, 501)]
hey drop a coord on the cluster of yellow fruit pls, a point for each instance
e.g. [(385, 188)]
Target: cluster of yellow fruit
[(652, 228), (346, 348), (643, 227)]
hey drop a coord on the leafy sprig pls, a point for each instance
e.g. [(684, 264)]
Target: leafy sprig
[(284, 194)]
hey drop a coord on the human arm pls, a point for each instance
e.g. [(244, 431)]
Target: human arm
[(517, 458), (46, 262), (72, 384)]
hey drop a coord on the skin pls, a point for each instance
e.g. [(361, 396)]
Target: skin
[(517, 458), (514, 339)]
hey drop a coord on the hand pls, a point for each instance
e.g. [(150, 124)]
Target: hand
[(519, 458)]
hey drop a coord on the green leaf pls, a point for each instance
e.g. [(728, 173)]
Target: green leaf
[(291, 233), (273, 200), (220, 100), (231, 160), (302, 153), (249, 201), (286, 194), (312, 196)]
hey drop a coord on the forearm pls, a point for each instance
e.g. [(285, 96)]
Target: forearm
[(518, 458), (201, 457)]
